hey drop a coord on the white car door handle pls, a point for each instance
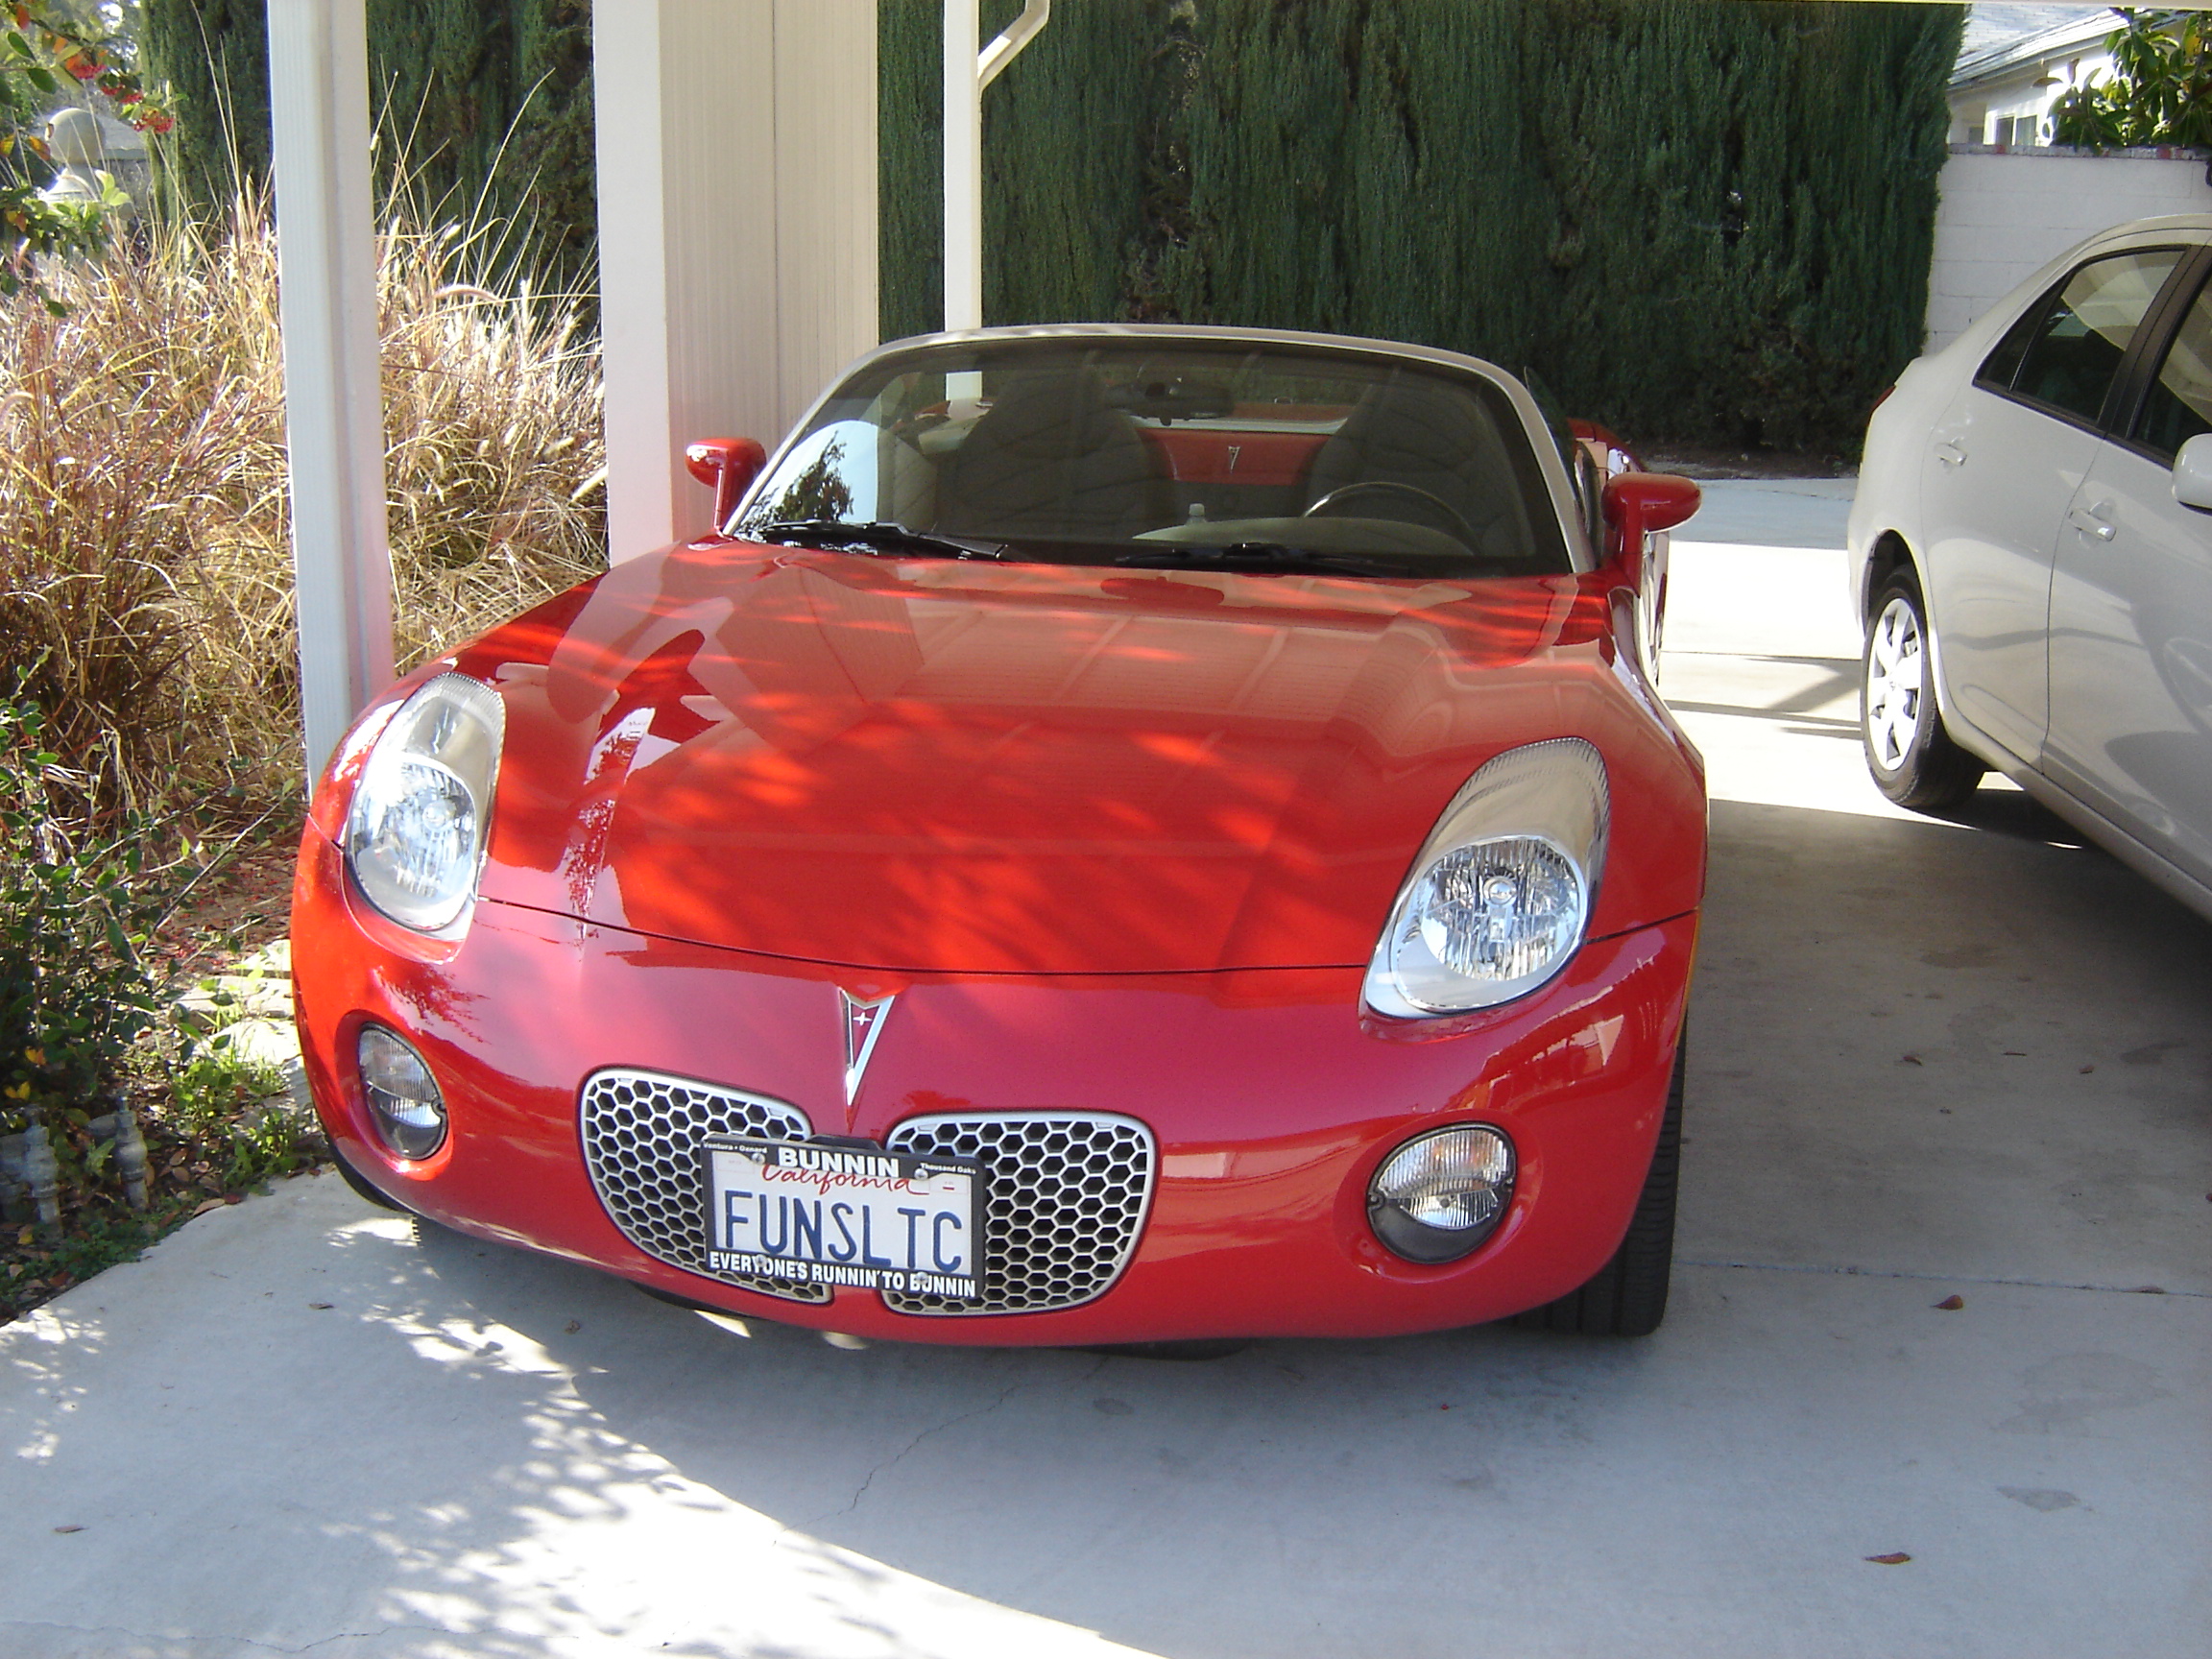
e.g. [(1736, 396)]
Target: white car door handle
[(2090, 520), (1950, 454)]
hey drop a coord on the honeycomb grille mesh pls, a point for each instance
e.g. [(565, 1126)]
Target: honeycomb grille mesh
[(1067, 1200), (641, 1144)]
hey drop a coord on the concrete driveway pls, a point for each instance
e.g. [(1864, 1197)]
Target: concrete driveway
[(1932, 1060)]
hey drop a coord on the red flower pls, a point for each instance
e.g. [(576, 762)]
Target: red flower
[(81, 64)]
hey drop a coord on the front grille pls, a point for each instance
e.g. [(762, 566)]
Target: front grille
[(641, 1144), (1067, 1200)]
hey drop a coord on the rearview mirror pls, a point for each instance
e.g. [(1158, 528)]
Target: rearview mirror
[(2193, 473), (728, 466), (1169, 401)]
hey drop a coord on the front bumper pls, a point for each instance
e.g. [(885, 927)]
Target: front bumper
[(1270, 1097)]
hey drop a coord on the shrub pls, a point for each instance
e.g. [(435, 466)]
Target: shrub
[(126, 446), (2160, 90), (145, 562), (117, 1119), (76, 990), (236, 1107)]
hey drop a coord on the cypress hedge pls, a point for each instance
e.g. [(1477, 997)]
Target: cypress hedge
[(910, 167), (1065, 156), (1746, 259), (486, 103), (1697, 219), (214, 56)]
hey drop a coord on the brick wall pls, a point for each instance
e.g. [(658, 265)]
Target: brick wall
[(2004, 212)]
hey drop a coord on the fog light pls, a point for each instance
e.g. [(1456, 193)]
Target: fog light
[(403, 1099), (1442, 1194)]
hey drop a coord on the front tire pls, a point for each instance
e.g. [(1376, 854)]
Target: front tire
[(1911, 757), (1627, 1296)]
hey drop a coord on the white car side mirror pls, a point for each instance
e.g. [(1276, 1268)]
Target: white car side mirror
[(2193, 472)]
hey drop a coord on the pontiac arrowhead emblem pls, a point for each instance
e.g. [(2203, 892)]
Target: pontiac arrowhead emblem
[(864, 1024)]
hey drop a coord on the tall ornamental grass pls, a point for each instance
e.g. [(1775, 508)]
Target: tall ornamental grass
[(146, 584)]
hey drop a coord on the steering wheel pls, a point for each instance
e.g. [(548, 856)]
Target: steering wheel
[(1387, 487)]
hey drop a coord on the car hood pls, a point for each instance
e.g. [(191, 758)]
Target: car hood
[(965, 767)]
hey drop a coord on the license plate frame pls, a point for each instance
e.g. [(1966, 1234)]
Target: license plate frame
[(894, 1227)]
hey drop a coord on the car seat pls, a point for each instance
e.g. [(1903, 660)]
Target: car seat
[(1418, 431), (1052, 457)]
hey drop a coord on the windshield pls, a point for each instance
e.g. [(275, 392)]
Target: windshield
[(1138, 451)]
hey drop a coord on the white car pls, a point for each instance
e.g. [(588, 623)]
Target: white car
[(2032, 554)]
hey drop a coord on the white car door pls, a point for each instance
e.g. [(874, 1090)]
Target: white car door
[(2131, 623), (2003, 464)]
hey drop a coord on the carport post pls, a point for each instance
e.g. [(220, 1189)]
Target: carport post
[(967, 72), (963, 170), (333, 408)]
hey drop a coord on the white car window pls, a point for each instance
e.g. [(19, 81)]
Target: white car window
[(2180, 403), (2064, 351)]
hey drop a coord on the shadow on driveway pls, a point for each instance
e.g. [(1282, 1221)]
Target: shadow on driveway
[(1928, 1060)]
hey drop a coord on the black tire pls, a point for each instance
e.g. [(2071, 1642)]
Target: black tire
[(360, 1184), (1911, 757), (1627, 1296)]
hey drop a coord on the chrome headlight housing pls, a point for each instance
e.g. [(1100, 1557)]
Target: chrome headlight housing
[(421, 813), (1502, 889)]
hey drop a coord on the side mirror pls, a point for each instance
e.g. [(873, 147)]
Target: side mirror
[(1639, 504), (728, 466), (2193, 473)]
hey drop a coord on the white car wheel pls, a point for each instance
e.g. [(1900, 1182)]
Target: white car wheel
[(1913, 759), (1895, 673)]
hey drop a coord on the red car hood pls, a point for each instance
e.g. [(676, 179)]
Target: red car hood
[(933, 766)]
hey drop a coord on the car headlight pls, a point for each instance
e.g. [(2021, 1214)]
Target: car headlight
[(1442, 1194), (416, 832), (1502, 889)]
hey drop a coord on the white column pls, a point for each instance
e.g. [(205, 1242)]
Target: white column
[(736, 231), (967, 73), (333, 408), (963, 169)]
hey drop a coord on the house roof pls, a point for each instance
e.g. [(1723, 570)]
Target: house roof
[(2001, 36)]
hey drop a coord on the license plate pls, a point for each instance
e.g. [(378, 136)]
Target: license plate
[(816, 1214)]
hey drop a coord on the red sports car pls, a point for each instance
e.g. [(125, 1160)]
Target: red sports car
[(1125, 836)]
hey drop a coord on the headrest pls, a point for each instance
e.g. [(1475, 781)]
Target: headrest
[(1052, 415)]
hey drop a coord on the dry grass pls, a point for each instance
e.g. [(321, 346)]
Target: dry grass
[(145, 564)]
